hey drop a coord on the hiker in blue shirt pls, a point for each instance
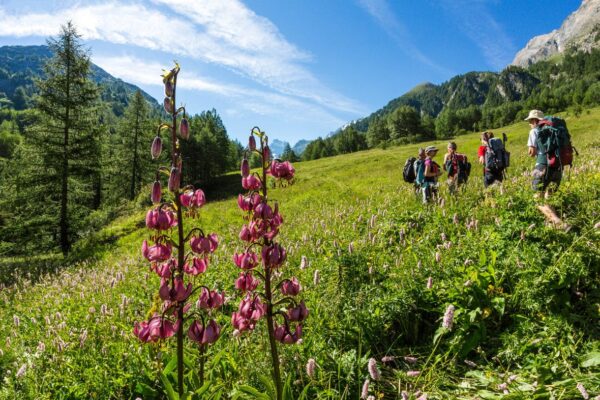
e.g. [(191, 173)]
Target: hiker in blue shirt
[(431, 173), (545, 179)]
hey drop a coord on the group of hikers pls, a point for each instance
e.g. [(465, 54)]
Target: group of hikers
[(549, 142)]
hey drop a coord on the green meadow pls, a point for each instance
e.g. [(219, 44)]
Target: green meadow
[(526, 294)]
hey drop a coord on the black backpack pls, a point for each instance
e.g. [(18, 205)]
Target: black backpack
[(463, 167), (408, 172), (497, 159)]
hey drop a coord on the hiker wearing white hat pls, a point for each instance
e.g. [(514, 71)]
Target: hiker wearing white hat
[(543, 175)]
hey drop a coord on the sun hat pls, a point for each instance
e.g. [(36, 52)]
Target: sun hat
[(430, 148), (535, 114)]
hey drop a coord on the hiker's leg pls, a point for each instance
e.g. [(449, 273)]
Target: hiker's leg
[(539, 175)]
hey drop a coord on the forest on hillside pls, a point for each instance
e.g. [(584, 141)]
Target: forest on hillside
[(475, 101)]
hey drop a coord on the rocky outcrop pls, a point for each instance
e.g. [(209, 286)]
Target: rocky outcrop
[(581, 30)]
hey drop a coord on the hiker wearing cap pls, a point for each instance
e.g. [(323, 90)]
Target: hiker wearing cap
[(419, 167), (543, 175), (431, 174), (457, 166), (490, 175)]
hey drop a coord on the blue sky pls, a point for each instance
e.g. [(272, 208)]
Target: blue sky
[(299, 69)]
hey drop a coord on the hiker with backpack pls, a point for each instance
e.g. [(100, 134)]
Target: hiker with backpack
[(431, 173), (494, 157), (413, 169), (549, 141), (457, 166)]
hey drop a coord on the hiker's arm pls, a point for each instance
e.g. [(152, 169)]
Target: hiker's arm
[(481, 159), (532, 151), (427, 172)]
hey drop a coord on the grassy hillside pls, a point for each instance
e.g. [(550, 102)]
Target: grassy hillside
[(526, 295)]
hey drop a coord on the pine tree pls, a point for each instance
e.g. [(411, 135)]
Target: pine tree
[(129, 162), (61, 157)]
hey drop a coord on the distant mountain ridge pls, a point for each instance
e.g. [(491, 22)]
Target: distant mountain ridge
[(278, 146), (581, 30), (20, 65)]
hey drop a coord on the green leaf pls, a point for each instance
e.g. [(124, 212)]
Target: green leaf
[(590, 359), (171, 395), (254, 392)]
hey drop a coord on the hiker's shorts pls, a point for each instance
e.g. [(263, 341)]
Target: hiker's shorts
[(544, 176), (491, 177)]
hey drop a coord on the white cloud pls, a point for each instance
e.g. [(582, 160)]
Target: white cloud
[(385, 17), (266, 103), (223, 32)]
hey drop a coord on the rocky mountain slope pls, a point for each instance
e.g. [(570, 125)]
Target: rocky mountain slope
[(581, 30)]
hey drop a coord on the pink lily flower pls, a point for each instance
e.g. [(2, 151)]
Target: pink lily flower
[(291, 287), (210, 299), (298, 313), (246, 260)]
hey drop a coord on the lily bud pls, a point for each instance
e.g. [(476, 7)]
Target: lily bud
[(245, 168), (266, 153), (184, 129), (174, 179), (156, 192), (252, 143), (156, 148), (168, 104), (169, 88)]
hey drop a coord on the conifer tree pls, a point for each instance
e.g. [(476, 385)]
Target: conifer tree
[(63, 148)]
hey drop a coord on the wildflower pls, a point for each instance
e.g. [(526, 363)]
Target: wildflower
[(282, 170), (597, 225), (410, 360), (422, 397), (154, 329), (196, 266), (174, 179), (429, 283), (316, 277), (184, 128), (373, 370), (252, 143), (291, 287), (16, 321), (455, 219), (438, 257), (204, 334), (386, 359), (204, 244), (210, 299), (21, 371), (310, 367), (156, 192), (191, 198), (251, 183), (405, 395), (273, 255), (412, 374), (41, 347), (246, 261), (448, 317), (298, 313), (284, 335), (160, 219), (583, 392), (158, 252), (246, 282), (168, 105), (156, 148), (365, 390), (512, 378)]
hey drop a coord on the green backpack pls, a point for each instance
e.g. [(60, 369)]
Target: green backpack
[(553, 143)]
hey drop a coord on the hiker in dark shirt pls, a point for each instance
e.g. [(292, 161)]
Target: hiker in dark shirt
[(489, 176), (457, 167)]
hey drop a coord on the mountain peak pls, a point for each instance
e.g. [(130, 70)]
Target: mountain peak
[(581, 30)]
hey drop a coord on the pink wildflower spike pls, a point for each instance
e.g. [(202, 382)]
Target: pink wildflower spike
[(156, 192), (298, 313), (156, 148), (413, 373), (373, 370), (246, 261), (245, 168), (448, 317), (197, 266), (429, 283), (184, 128), (246, 282), (310, 367), (365, 390), (582, 390), (290, 287)]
